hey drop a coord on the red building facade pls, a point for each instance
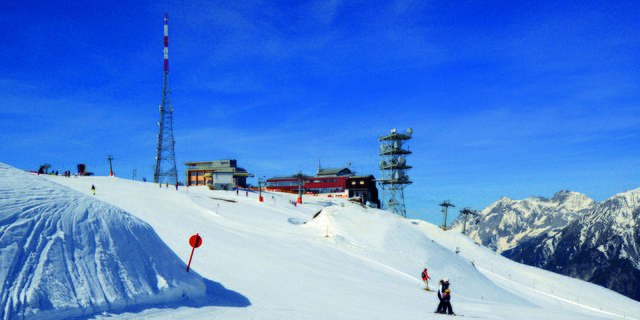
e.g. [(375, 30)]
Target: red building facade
[(334, 184), (329, 181)]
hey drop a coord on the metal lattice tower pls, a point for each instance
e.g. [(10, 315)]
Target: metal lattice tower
[(165, 154), (445, 205), (466, 212), (393, 167)]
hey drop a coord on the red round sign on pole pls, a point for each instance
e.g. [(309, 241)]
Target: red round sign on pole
[(195, 241)]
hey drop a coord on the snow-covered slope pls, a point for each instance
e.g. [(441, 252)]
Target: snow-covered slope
[(64, 254), (507, 223), (349, 262)]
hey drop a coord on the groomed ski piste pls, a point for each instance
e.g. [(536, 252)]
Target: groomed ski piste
[(122, 254)]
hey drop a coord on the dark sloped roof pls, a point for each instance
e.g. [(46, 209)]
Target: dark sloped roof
[(334, 172)]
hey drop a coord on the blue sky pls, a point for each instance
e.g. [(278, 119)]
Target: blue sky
[(505, 99)]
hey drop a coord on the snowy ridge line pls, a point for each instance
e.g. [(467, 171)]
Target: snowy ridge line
[(584, 306)]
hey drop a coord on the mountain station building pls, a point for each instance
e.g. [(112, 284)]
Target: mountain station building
[(331, 181), (221, 174)]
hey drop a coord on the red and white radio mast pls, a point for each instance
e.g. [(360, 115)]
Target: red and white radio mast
[(165, 152)]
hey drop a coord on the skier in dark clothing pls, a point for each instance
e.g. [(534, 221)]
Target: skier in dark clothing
[(446, 306), (444, 285), (93, 189)]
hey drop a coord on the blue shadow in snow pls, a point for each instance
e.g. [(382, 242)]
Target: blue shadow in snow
[(216, 296), (219, 296)]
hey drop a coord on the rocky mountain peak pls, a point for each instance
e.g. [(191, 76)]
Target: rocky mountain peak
[(507, 222), (573, 235)]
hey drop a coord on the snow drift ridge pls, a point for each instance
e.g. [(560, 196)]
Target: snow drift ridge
[(64, 254)]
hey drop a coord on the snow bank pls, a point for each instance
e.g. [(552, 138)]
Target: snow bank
[(65, 254)]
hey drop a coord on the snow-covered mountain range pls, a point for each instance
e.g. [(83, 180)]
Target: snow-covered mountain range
[(507, 223), (121, 254), (569, 234)]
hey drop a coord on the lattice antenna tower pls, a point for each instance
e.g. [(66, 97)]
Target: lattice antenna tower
[(393, 168), (165, 169)]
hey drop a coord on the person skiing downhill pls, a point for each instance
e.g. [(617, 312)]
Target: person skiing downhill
[(425, 278), (93, 189)]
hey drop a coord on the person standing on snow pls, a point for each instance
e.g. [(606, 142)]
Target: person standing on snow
[(93, 189), (446, 307), (444, 285), (425, 278)]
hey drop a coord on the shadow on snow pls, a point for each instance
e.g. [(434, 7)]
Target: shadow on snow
[(216, 296)]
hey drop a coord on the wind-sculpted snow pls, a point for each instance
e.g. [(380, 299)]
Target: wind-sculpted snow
[(65, 254)]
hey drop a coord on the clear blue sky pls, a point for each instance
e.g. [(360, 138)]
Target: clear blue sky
[(505, 98)]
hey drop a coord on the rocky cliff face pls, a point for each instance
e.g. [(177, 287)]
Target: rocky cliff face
[(596, 242)]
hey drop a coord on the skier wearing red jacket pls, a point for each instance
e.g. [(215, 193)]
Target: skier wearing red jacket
[(425, 278)]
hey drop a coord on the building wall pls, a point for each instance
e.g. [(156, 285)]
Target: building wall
[(240, 182), (363, 187), (221, 171), (331, 184), (212, 164), (285, 184), (223, 177), (325, 184), (196, 177)]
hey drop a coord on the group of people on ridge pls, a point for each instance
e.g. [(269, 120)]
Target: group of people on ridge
[(444, 293)]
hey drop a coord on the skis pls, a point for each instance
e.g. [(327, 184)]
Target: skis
[(458, 315)]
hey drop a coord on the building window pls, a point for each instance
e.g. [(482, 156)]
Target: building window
[(361, 181), (353, 183)]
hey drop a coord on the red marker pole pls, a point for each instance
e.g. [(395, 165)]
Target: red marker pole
[(195, 241)]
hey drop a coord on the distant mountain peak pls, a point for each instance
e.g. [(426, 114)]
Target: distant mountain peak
[(567, 195), (571, 234), (507, 222)]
